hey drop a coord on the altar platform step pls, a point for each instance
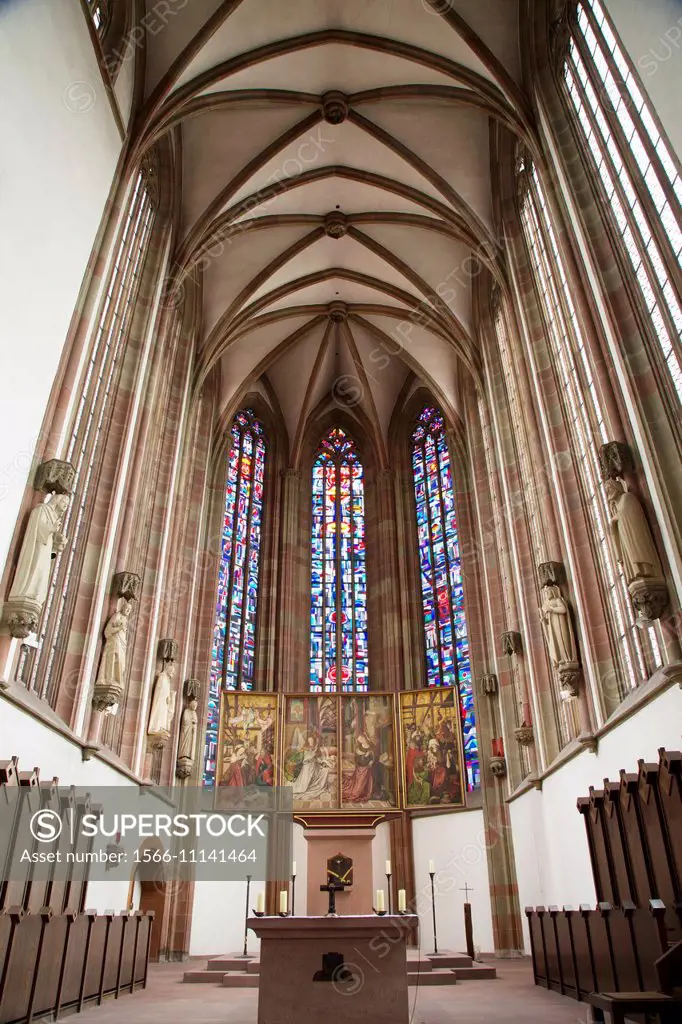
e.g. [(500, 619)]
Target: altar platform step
[(422, 969)]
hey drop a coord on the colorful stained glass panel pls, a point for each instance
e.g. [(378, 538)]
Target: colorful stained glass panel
[(234, 633), (445, 629), (338, 606)]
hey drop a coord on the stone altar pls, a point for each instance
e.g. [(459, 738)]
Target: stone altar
[(341, 969)]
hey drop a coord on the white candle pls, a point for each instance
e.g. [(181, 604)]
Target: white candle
[(293, 868), (402, 900), (260, 903), (388, 867), (283, 901), (432, 868), (380, 905)]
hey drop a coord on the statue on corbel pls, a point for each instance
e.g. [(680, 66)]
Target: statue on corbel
[(164, 696), (111, 675), (42, 542), (632, 537), (557, 626), (189, 724)]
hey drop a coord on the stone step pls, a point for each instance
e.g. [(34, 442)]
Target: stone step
[(239, 979), (202, 977), (423, 963), (434, 977), (475, 973), (230, 963), (450, 960)]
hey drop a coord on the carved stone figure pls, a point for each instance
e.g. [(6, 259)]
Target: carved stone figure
[(188, 740), (163, 703), (41, 541), (631, 532), (557, 627), (110, 680)]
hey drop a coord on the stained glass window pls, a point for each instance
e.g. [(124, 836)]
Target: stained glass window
[(640, 180), (338, 614), (234, 633), (448, 661)]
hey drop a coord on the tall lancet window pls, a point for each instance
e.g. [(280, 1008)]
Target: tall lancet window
[(445, 628), (234, 632), (634, 171), (338, 614)]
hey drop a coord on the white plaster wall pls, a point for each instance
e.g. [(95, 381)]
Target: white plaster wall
[(381, 852), (36, 745), (652, 34), (218, 918), (300, 856), (58, 154), (456, 844), (550, 847)]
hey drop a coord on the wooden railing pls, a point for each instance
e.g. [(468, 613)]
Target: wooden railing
[(50, 963)]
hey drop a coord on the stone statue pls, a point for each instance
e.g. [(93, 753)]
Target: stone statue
[(631, 533), (557, 627), (110, 681), (188, 740), (42, 541), (163, 703)]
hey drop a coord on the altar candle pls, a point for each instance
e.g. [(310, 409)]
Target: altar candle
[(283, 901), (260, 903), (432, 868), (380, 905), (402, 901), (388, 867), (293, 868)]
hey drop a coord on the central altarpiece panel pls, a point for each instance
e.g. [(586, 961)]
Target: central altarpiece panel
[(346, 752)]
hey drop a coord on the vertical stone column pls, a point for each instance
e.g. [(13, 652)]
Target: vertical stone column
[(289, 626), (387, 648)]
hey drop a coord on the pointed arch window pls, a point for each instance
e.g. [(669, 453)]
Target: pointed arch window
[(446, 636), (234, 631), (639, 652), (338, 612), (635, 171)]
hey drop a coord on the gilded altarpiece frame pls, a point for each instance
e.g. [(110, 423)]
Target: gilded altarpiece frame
[(247, 739), (431, 741), (338, 751)]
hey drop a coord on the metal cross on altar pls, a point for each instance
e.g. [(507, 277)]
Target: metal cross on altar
[(466, 890), (332, 888)]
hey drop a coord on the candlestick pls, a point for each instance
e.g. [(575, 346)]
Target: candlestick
[(246, 916), (388, 885), (402, 901), (283, 901), (293, 891), (433, 908), (260, 903)]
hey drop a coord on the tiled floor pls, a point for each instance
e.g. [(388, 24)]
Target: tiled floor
[(511, 999)]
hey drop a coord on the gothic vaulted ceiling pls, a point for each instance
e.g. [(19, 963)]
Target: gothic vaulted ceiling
[(335, 177)]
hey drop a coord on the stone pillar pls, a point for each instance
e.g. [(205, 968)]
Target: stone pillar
[(290, 555), (387, 649)]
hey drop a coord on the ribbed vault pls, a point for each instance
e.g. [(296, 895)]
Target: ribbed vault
[(335, 206)]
